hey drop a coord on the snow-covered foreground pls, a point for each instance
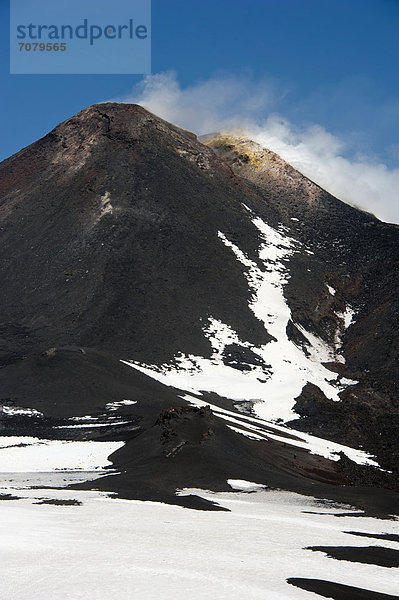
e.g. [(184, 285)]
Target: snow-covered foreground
[(118, 550), (289, 367)]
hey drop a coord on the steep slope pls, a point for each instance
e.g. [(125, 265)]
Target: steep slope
[(217, 276), (345, 291), (108, 239)]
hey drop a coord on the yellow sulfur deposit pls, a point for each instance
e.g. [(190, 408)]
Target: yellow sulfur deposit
[(248, 151)]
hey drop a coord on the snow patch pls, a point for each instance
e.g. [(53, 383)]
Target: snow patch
[(251, 436), (347, 316), (91, 425), (115, 405), (260, 429), (19, 411), (346, 319), (27, 454), (245, 486), (105, 205), (331, 289), (287, 367)]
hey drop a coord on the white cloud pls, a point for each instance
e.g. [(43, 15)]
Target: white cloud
[(211, 105), (228, 102), (317, 154)]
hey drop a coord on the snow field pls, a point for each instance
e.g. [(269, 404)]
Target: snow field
[(119, 550)]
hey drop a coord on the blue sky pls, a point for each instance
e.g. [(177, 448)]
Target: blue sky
[(333, 63), (335, 60)]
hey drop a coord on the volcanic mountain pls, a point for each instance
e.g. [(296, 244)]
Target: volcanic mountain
[(203, 302)]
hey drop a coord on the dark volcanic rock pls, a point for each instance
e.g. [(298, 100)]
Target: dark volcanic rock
[(371, 555), (188, 447), (363, 418), (109, 240), (57, 502), (337, 591), (70, 383), (378, 536), (239, 357), (109, 250)]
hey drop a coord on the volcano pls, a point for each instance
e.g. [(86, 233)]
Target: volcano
[(199, 371), (203, 303)]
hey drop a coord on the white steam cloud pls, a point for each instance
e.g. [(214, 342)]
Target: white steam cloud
[(224, 103)]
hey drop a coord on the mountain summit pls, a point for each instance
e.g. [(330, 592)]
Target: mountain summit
[(147, 276)]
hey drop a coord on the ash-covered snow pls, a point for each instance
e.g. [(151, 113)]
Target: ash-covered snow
[(105, 204)]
